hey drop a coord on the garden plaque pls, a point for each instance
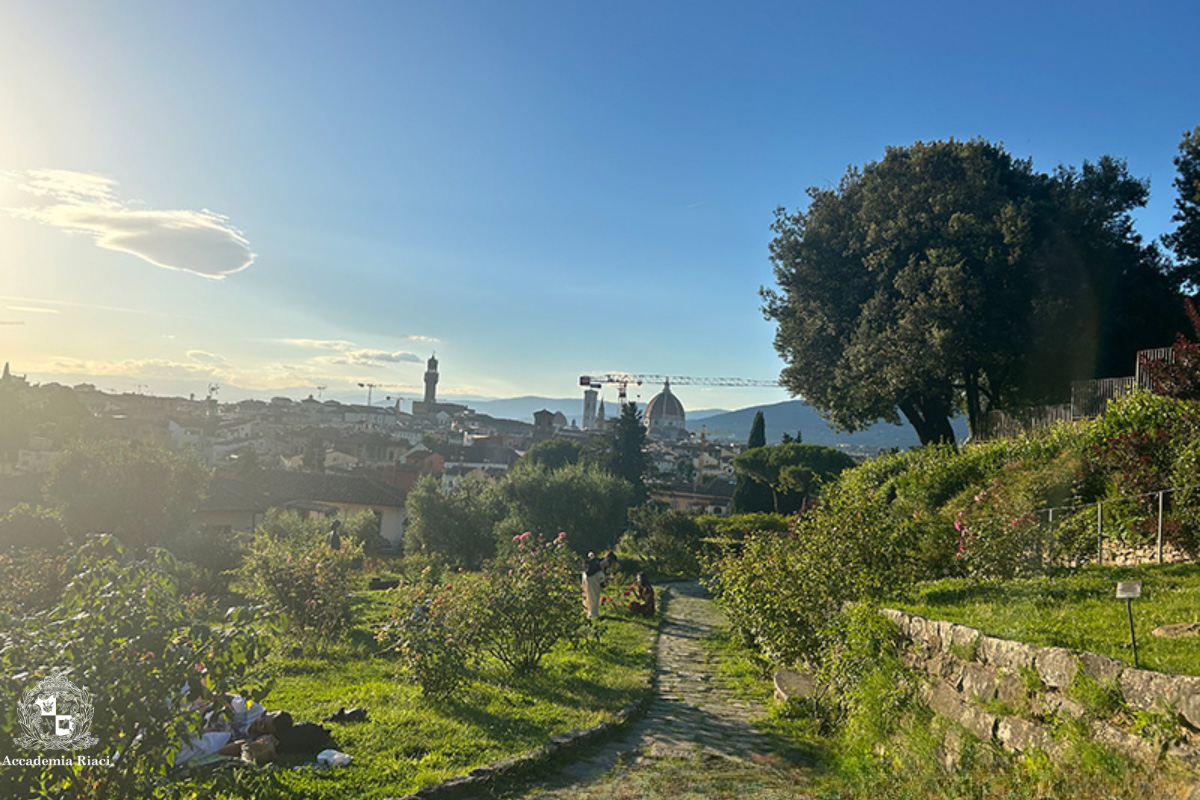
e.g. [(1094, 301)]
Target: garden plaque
[(1129, 590)]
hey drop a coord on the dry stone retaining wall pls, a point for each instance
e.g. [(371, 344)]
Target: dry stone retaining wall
[(969, 670), (1126, 555)]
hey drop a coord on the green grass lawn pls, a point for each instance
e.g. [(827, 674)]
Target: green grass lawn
[(410, 742), (1078, 611)]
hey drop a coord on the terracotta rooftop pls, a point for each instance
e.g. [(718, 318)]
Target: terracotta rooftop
[(279, 488)]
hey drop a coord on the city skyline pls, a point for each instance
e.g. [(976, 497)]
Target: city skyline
[(283, 196)]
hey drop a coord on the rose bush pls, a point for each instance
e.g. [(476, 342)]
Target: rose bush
[(430, 635), (123, 633), (526, 601), (306, 584)]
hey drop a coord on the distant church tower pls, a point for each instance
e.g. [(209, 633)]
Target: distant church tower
[(7, 378), (431, 379)]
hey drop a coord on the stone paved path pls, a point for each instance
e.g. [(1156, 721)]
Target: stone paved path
[(691, 714)]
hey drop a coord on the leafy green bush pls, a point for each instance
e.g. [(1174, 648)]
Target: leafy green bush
[(666, 541), (867, 688), (429, 635), (139, 491), (123, 633), (936, 473), (31, 580), (589, 503), (738, 526), (304, 582), (1185, 473), (1002, 530), (1141, 412), (780, 591), (32, 526), (363, 528), (456, 525), (525, 602), (211, 559)]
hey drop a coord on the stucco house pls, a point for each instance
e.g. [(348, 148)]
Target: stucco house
[(239, 503)]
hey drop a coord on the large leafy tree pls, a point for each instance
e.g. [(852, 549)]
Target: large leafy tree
[(554, 453), (456, 525), (751, 495), (1178, 375), (952, 276), (589, 504), (1103, 294), (794, 471), (52, 410), (1185, 239), (141, 492)]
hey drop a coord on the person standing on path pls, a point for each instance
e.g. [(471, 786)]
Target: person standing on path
[(593, 576)]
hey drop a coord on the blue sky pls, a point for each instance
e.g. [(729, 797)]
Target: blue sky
[(279, 196)]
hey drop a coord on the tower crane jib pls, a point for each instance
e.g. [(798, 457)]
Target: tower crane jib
[(622, 380)]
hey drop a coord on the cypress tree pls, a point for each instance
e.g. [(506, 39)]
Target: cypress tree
[(750, 495)]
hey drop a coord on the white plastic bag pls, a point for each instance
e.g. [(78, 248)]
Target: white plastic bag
[(334, 758)]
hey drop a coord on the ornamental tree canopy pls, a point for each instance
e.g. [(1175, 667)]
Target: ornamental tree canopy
[(952, 276)]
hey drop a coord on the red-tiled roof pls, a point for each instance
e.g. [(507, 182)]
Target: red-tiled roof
[(276, 488)]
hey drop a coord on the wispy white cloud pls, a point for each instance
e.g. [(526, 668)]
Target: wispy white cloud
[(364, 357), (200, 242), (351, 354), (34, 309), (133, 368), (198, 370), (426, 339), (321, 344), (68, 304), (204, 357)]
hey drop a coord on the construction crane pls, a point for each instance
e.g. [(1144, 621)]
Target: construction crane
[(623, 379)]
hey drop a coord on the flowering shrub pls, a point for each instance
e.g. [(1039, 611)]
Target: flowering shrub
[(779, 591), (431, 638), (1135, 465), (1002, 530), (30, 580), (526, 601), (121, 632), (998, 547), (1186, 501), (302, 580)]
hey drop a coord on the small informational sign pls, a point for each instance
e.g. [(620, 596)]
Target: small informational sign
[(1129, 590)]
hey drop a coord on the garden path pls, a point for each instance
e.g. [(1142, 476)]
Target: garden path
[(691, 715)]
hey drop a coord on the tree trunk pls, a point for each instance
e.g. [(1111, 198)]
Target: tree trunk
[(974, 410), (931, 421)]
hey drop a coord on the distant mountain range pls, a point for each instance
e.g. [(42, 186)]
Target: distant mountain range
[(790, 416), (793, 416), (522, 408)]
